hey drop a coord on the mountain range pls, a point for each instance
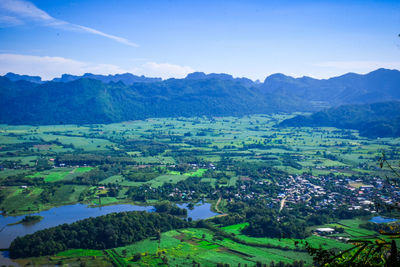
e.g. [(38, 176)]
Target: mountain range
[(126, 78), (112, 98)]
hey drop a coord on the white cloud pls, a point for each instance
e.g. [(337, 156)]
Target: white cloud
[(50, 67), (25, 9), (164, 70), (20, 10), (109, 36), (7, 21)]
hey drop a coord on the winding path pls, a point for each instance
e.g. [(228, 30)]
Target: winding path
[(282, 203), (216, 205), (221, 214)]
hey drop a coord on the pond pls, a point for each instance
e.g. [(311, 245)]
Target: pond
[(379, 219), (200, 211)]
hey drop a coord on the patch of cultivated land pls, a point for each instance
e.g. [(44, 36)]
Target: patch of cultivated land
[(198, 245)]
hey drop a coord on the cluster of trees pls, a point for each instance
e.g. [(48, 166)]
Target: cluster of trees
[(112, 230), (143, 174), (288, 160), (272, 226), (167, 207), (94, 176), (93, 159)]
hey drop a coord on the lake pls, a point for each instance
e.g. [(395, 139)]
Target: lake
[(73, 213)]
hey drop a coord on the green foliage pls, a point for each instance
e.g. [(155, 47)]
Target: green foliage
[(372, 120), (112, 230), (167, 207)]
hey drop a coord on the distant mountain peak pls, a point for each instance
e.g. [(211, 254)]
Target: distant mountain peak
[(17, 77), (278, 77), (196, 76), (203, 76)]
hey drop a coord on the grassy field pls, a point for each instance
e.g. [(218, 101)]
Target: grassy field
[(53, 175), (80, 253), (221, 133), (71, 257), (198, 245)]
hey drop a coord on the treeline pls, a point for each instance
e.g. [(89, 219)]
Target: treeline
[(167, 207), (93, 159), (109, 231), (276, 227)]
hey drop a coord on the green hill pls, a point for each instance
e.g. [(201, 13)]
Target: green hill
[(372, 120)]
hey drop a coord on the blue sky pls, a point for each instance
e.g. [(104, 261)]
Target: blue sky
[(173, 38)]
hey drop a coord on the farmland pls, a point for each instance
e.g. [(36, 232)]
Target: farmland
[(247, 165), (199, 245)]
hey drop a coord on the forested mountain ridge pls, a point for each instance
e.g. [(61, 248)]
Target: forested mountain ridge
[(377, 86), (115, 98), (91, 101), (372, 120)]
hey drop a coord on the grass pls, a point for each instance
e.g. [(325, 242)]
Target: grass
[(113, 179), (58, 174), (353, 229), (160, 180), (80, 253), (21, 201), (105, 201), (83, 169), (52, 175), (235, 228), (143, 246), (318, 241), (197, 173), (194, 244)]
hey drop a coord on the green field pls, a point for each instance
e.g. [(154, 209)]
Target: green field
[(188, 245), (188, 160), (80, 252)]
